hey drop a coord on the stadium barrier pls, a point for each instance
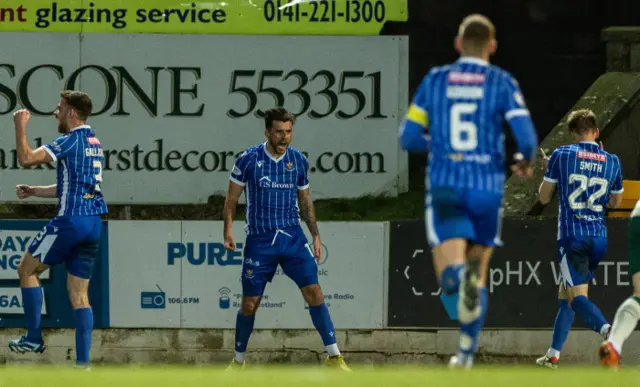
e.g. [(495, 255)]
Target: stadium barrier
[(173, 274), (177, 274), (154, 275), (523, 278)]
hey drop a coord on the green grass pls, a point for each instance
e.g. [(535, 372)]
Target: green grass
[(388, 376)]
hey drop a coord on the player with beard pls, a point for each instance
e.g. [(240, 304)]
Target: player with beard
[(73, 236), (277, 194)]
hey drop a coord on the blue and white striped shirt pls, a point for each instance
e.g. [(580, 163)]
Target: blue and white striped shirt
[(271, 187), (80, 161), (586, 175), (463, 106)]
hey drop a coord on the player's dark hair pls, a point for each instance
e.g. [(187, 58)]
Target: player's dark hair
[(476, 31), (277, 114), (79, 101), (581, 121)]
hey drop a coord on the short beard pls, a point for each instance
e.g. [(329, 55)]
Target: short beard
[(62, 128)]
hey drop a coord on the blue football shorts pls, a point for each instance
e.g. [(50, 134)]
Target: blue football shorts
[(472, 215), (579, 257), (288, 248), (72, 240)]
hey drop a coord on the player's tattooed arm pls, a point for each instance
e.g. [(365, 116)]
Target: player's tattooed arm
[(308, 212), (230, 204)]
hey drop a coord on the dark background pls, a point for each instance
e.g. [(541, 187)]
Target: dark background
[(518, 299), (552, 47)]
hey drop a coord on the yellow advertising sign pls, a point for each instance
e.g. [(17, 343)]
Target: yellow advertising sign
[(232, 17)]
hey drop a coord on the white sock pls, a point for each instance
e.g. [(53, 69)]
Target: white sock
[(333, 350), (553, 353), (604, 330), (624, 323), (239, 357)]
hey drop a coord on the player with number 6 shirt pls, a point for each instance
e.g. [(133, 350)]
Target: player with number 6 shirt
[(72, 238), (457, 115)]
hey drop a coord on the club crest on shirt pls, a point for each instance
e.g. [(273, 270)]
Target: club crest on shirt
[(289, 166)]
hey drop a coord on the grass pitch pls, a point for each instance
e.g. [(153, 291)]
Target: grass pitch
[(388, 376)]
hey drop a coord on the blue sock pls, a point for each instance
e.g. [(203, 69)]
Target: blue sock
[(32, 301), (322, 322), (450, 279), (469, 331), (84, 328), (589, 313), (562, 325), (244, 327)]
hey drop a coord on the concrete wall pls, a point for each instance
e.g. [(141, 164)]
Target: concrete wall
[(180, 346)]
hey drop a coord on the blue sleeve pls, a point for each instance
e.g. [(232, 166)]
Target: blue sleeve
[(303, 175), (241, 170), (519, 119), (61, 147), (617, 186), (552, 175), (413, 136)]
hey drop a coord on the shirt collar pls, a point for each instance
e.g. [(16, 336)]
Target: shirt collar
[(80, 127), (473, 60)]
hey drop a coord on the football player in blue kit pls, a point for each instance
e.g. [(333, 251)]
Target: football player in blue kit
[(457, 114), (588, 179), (72, 238), (274, 177)]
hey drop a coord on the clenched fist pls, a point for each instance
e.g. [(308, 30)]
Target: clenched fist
[(25, 191), (20, 118)]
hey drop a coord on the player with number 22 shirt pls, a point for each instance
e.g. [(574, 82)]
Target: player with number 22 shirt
[(462, 106), (73, 236), (588, 179)]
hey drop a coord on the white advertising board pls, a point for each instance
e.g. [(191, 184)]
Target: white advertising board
[(173, 111), (11, 301), (139, 277), (13, 246), (202, 280)]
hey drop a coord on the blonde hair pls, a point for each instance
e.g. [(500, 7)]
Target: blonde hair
[(475, 32), (581, 121)]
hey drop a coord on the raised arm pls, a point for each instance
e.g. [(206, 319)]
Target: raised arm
[(550, 179), (26, 156)]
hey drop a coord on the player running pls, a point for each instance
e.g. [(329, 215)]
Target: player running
[(588, 179), (628, 314), (73, 236), (274, 177), (463, 107)]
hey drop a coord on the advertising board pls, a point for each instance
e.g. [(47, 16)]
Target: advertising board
[(174, 111), (178, 274)]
